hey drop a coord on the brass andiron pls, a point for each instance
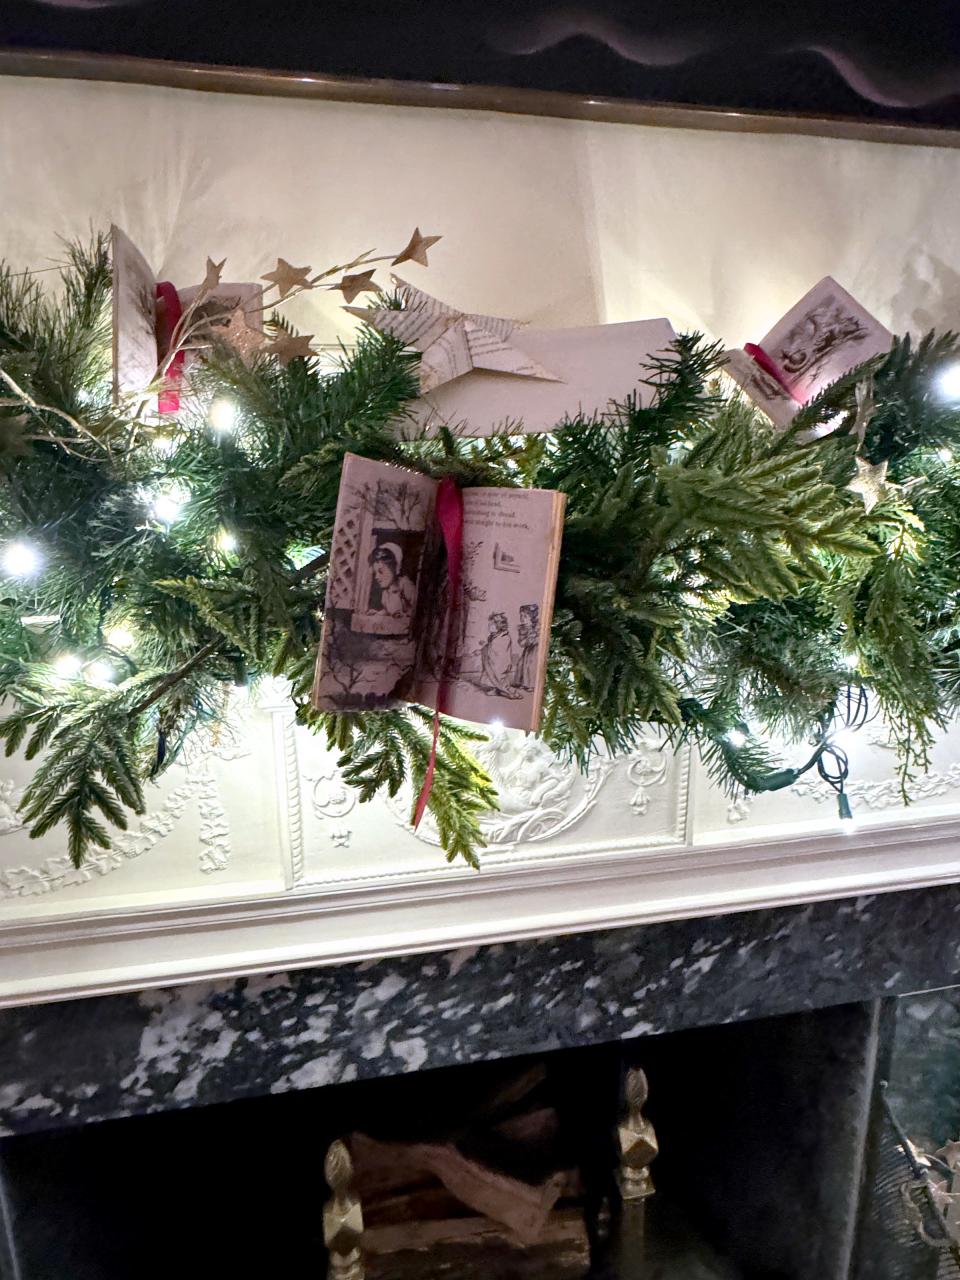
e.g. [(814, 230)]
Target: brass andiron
[(342, 1217), (638, 1147), (638, 1142)]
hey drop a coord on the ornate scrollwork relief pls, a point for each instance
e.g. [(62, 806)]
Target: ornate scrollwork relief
[(883, 794), (647, 768), (200, 788), (540, 796)]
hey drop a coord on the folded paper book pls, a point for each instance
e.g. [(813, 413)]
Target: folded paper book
[(480, 374), (391, 634), (824, 336)]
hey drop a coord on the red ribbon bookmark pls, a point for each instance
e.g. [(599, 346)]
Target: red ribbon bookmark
[(450, 518), (760, 357), (168, 317)]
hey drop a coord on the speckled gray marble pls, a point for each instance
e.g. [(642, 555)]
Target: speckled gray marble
[(128, 1054), (926, 1052)]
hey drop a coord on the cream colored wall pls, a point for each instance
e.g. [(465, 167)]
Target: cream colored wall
[(553, 221)]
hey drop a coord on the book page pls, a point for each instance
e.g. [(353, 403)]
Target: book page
[(496, 657), (824, 336), (134, 317), (765, 391), (575, 370), (381, 553)]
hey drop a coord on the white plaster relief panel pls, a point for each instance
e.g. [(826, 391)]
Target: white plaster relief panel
[(210, 832), (549, 810), (260, 810), (810, 805)]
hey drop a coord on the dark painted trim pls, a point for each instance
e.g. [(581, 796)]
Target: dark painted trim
[(404, 93)]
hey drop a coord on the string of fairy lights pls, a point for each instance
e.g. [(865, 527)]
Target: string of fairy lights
[(23, 560)]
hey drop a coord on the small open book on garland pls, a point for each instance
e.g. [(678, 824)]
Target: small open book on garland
[(391, 633)]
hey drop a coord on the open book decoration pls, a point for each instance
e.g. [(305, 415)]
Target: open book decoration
[(146, 311), (390, 632), (824, 336), (480, 373)]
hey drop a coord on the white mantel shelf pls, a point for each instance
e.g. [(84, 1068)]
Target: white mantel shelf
[(256, 858)]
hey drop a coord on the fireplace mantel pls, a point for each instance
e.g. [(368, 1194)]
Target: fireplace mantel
[(256, 857)]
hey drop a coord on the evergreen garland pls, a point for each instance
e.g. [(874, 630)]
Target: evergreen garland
[(715, 574)]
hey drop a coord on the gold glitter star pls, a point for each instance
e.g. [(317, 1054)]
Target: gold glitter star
[(290, 346), (288, 278), (416, 250), (870, 482), (359, 282), (244, 339)]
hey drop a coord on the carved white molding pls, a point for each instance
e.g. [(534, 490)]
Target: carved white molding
[(58, 872), (540, 796), (154, 946), (638, 838), (549, 810), (199, 788)]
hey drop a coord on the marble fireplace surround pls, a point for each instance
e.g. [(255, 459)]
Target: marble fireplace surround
[(176, 1047), (834, 964)]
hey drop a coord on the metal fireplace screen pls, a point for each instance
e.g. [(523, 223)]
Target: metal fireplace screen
[(903, 1222)]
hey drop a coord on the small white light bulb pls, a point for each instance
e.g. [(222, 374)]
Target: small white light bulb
[(222, 415), (851, 661), (736, 738), (100, 673), (848, 826), (20, 560), (948, 382), (945, 455), (68, 666), (226, 541), (119, 637), (496, 724), (166, 506), (163, 445)]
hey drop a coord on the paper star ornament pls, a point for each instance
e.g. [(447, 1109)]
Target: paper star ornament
[(451, 342), (288, 278), (359, 282), (237, 331), (870, 482), (416, 250), (212, 275), (291, 346)]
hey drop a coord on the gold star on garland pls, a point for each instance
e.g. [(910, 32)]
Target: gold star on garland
[(244, 339), (416, 250), (288, 278), (212, 275), (359, 282), (870, 482), (291, 346)]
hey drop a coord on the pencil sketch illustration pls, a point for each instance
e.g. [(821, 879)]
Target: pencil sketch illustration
[(810, 343), (373, 589), (495, 652), (396, 627)]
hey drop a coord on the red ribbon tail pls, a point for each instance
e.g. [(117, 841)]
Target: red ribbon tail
[(427, 787), (769, 366), (168, 317), (450, 519)]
